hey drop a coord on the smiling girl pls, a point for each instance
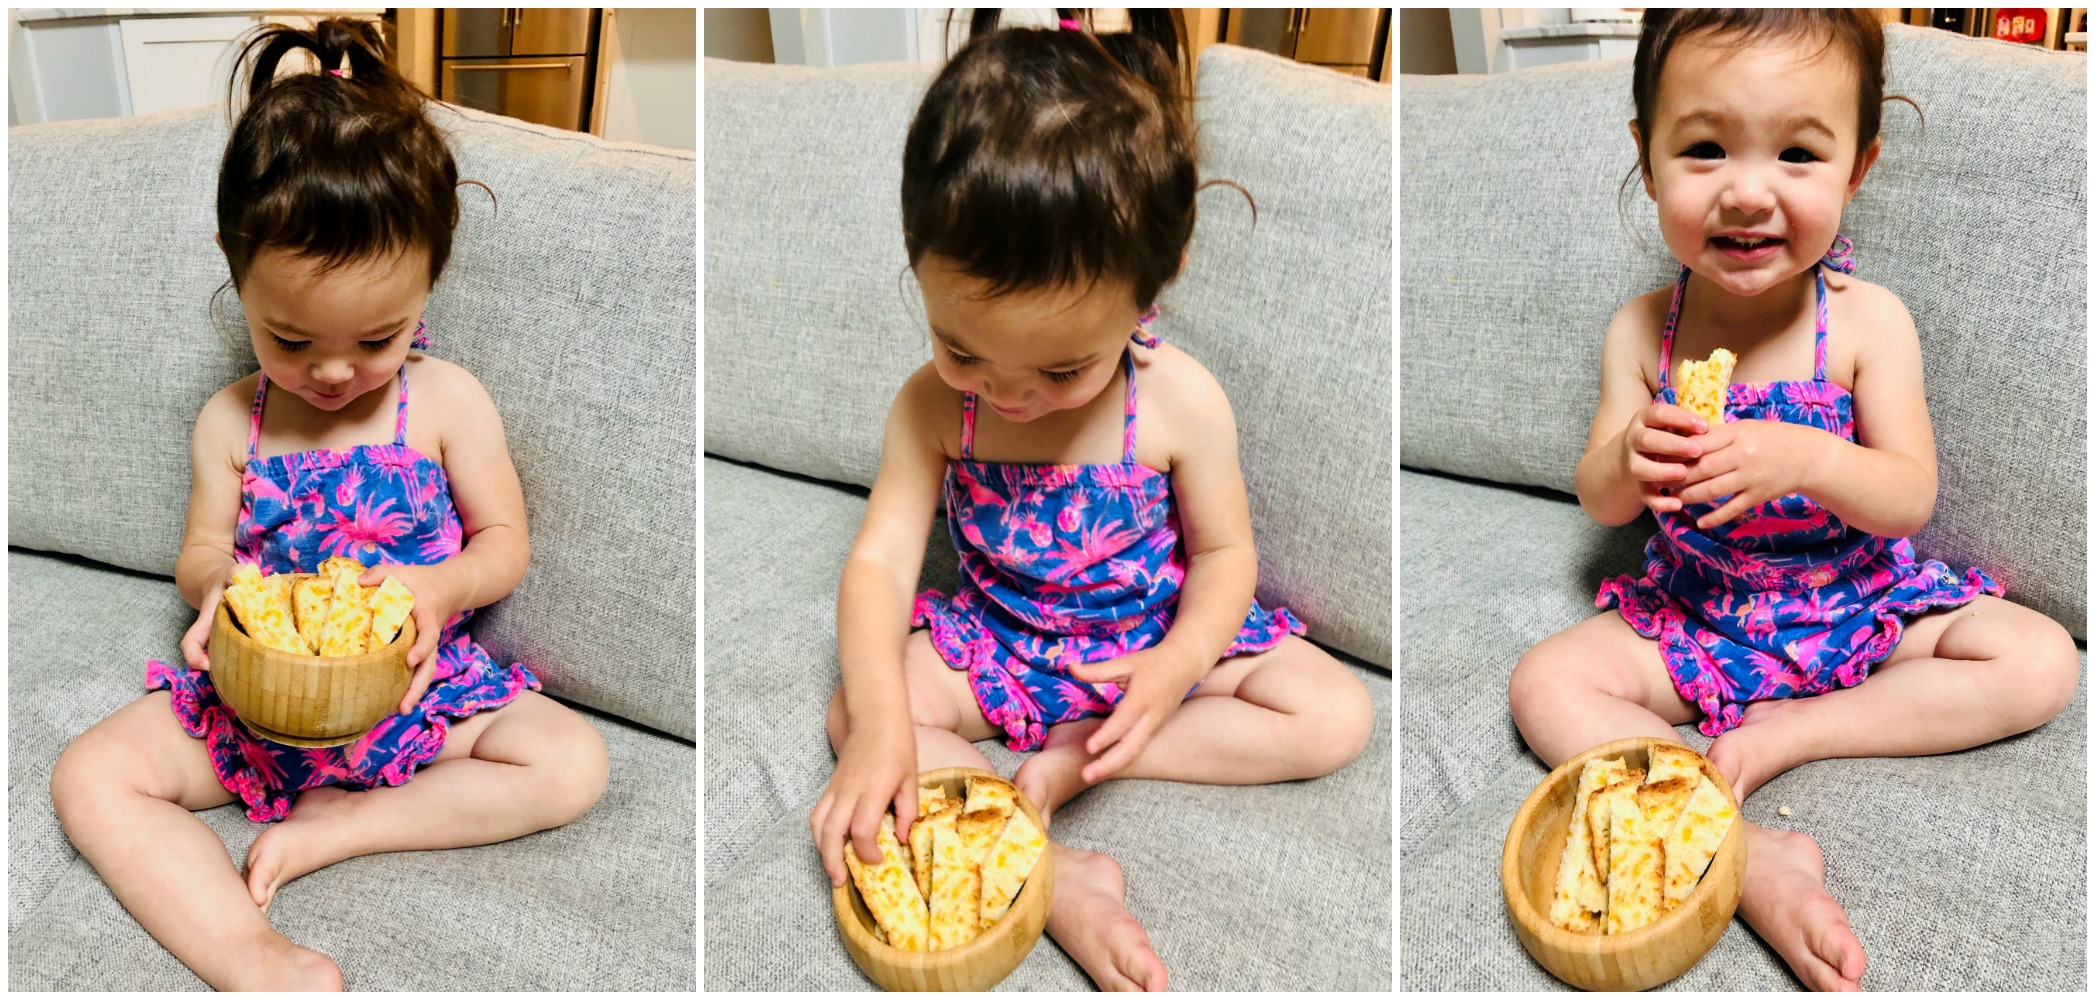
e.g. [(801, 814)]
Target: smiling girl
[(1781, 578)]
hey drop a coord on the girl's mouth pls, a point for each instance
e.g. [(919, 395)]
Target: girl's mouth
[(1746, 248)]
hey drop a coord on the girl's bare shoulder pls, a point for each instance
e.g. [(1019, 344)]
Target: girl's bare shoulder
[(1863, 302), (1178, 383), (1634, 332), (927, 407), (223, 423), (1865, 322)]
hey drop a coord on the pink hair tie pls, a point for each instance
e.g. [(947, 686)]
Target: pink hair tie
[(335, 72), (1070, 24)]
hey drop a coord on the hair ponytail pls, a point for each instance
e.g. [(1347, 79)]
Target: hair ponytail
[(339, 165)]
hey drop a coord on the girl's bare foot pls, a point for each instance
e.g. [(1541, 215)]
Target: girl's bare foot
[(1786, 902), (281, 965), (301, 842), (1762, 746), (1089, 918), (1054, 775)]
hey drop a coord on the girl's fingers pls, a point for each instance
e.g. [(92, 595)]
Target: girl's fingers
[(1123, 753), (1117, 724), (1738, 505), (865, 829)]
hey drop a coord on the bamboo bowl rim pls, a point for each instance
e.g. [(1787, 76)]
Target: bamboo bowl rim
[(268, 661), (1039, 885), (1545, 932)]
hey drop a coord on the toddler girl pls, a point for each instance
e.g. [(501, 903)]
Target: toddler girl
[(336, 204), (1781, 576), (1089, 476)]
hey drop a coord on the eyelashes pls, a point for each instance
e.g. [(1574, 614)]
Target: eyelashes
[(295, 346), (1712, 151), (963, 359)]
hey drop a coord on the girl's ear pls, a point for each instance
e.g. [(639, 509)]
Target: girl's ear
[(1863, 164), (1637, 135)]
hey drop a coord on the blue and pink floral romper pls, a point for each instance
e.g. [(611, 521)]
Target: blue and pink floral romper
[(379, 504), (1785, 600), (1060, 565)]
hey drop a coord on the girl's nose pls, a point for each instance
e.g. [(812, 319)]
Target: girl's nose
[(1747, 193), (333, 372)]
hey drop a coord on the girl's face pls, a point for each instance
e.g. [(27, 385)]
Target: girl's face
[(1025, 354), (1753, 156), (330, 338)]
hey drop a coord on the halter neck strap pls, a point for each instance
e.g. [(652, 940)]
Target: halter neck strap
[(254, 422), (1818, 334)]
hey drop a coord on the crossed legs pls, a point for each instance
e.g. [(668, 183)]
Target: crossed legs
[(1958, 679), (1291, 712), (124, 792)]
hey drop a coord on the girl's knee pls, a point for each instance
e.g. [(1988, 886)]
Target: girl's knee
[(1539, 678), (92, 768), (583, 773), (2053, 672)]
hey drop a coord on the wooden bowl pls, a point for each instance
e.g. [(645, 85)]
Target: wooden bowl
[(976, 965), (307, 701), (1635, 960)]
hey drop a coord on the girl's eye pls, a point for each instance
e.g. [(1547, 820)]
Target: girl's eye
[(291, 346), (1063, 376), (1704, 151), (961, 359), (375, 346), (1798, 154)]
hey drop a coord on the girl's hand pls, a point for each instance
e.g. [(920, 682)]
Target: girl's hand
[(196, 641), (435, 603), (1752, 461), (1655, 446), (1154, 683), (877, 765)]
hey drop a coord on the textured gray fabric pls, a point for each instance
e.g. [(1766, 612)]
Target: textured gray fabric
[(813, 320), (574, 304), (1489, 571), (1208, 868), (606, 902), (1514, 256)]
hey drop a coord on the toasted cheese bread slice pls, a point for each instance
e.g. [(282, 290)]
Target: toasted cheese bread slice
[(1580, 893), (335, 564), (956, 889), (1694, 839), (390, 604), (254, 601), (1636, 887), (1016, 851), (997, 796), (1671, 760), (309, 598), (1597, 817), (1702, 384), (348, 620), (889, 891), (941, 812)]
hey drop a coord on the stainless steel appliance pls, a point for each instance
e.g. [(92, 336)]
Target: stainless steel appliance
[(533, 63)]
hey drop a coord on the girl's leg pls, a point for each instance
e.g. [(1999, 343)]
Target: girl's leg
[(530, 765), (1599, 681), (1958, 679), (1290, 712), (1089, 916), (123, 791)]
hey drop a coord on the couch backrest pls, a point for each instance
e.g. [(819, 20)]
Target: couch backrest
[(813, 320), (1514, 255), (574, 303)]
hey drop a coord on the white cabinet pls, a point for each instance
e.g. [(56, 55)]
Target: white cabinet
[(179, 62), (98, 63)]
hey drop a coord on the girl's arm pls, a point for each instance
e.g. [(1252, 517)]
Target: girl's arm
[(1884, 482), (217, 458), (496, 543), (1635, 445), (877, 763), (1221, 567)]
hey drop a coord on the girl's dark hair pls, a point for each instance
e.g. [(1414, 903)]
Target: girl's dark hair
[(333, 167), (1045, 158), (1857, 33)]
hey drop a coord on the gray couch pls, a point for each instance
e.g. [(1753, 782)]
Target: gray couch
[(812, 322), (1958, 871), (575, 306)]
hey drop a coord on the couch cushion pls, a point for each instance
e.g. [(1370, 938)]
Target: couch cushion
[(1489, 571), (1207, 867), (813, 319), (606, 902), (1515, 255), (575, 306)]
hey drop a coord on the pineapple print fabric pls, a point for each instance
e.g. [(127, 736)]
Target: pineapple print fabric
[(379, 504), (1785, 600), (1061, 565)]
